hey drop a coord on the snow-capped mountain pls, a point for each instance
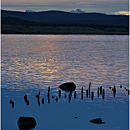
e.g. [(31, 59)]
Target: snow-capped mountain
[(29, 11), (78, 11)]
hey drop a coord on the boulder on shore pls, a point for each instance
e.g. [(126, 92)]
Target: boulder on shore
[(26, 123), (68, 86), (97, 121)]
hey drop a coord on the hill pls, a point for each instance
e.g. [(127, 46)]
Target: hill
[(60, 17), (58, 22)]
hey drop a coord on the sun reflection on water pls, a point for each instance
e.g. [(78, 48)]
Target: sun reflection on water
[(41, 61)]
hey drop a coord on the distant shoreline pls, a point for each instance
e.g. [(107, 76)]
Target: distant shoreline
[(60, 34), (12, 25), (63, 30)]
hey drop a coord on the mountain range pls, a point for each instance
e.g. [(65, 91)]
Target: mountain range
[(78, 11), (61, 17)]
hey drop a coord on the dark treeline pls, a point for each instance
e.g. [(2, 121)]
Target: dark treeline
[(15, 25), (18, 21)]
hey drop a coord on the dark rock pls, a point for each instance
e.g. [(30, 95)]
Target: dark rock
[(75, 117), (69, 86), (26, 123), (97, 121)]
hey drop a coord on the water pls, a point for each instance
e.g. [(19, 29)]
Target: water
[(31, 63)]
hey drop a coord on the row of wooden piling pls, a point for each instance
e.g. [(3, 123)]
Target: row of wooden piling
[(100, 91)]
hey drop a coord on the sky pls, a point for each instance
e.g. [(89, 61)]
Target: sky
[(100, 6)]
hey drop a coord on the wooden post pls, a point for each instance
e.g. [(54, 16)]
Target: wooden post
[(92, 95), (11, 102), (82, 93), (70, 93), (98, 92), (59, 93), (43, 101), (49, 97), (114, 91), (69, 98), (38, 101), (87, 93), (25, 97), (89, 88), (49, 89), (65, 95), (103, 95), (27, 102), (101, 90), (75, 94), (56, 99)]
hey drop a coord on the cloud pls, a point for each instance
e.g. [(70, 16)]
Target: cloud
[(67, 5), (122, 12)]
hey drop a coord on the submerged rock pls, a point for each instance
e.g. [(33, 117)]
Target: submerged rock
[(69, 86), (26, 123), (97, 121)]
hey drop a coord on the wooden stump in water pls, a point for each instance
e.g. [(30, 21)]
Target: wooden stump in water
[(87, 93), (75, 94), (98, 91), (103, 94), (89, 88), (82, 93), (101, 90), (43, 101), (59, 93), (92, 95), (69, 98)]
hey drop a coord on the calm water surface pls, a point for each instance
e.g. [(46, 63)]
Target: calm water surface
[(31, 63)]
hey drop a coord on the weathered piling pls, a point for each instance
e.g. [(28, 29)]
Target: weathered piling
[(49, 89), (25, 97), (101, 90), (38, 98), (92, 95), (70, 93), (56, 99), (27, 102), (38, 101), (49, 97), (98, 92), (39, 93), (114, 91), (11, 102), (103, 94), (69, 98), (43, 101), (89, 88), (59, 93), (82, 93), (120, 86), (74, 94), (87, 93), (65, 95)]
